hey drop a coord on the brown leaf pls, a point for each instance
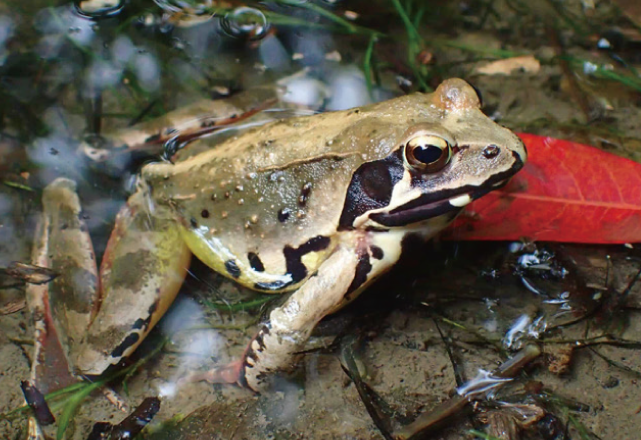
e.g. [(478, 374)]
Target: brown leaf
[(30, 273), (12, 306)]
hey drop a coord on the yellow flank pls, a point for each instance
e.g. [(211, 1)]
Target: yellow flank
[(212, 252), (313, 260)]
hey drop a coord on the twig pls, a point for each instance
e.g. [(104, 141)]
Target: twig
[(454, 405)]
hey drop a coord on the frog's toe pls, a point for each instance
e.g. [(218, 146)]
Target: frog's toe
[(230, 373)]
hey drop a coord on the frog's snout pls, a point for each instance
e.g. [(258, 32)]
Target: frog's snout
[(519, 152)]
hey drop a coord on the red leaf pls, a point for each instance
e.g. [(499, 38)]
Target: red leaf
[(566, 192)]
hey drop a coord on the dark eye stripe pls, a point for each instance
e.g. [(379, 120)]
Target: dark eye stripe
[(371, 187)]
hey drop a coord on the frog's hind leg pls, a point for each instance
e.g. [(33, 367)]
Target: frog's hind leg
[(61, 309), (102, 319), (143, 268)]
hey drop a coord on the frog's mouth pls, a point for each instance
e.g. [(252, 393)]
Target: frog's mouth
[(426, 207)]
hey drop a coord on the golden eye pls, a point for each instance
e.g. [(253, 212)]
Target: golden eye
[(428, 153)]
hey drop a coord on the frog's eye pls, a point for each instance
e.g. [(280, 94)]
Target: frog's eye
[(428, 153)]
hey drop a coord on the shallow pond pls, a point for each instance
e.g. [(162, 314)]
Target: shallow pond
[(73, 74)]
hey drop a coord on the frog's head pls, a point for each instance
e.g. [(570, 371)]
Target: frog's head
[(453, 155)]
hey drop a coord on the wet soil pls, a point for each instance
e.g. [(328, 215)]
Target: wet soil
[(407, 323)]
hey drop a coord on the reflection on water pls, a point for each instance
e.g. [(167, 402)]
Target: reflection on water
[(198, 346), (106, 63), (6, 32), (59, 26)]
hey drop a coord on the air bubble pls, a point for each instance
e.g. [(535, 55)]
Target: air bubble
[(185, 13), (98, 8), (245, 22), (293, 3)]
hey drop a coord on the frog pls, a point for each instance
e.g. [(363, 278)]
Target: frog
[(316, 207)]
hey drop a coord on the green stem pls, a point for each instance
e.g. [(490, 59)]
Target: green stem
[(367, 65)]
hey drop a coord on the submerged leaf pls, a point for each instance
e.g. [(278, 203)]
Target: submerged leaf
[(30, 273)]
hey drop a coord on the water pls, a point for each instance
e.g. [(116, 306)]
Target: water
[(72, 73)]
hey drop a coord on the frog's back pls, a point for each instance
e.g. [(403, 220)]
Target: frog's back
[(265, 207)]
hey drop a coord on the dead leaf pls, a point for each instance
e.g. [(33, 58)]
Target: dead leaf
[(527, 64), (13, 306), (30, 273)]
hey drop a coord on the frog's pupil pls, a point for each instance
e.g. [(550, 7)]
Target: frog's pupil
[(427, 153)]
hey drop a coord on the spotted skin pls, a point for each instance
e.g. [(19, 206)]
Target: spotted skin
[(317, 206)]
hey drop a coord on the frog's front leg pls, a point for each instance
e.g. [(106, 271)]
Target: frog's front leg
[(102, 318), (346, 272)]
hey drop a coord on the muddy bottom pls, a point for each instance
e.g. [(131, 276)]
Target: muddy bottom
[(451, 310)]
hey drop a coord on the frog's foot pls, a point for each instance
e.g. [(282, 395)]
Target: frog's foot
[(230, 373)]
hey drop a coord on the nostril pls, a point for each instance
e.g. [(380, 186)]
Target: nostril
[(491, 151)]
